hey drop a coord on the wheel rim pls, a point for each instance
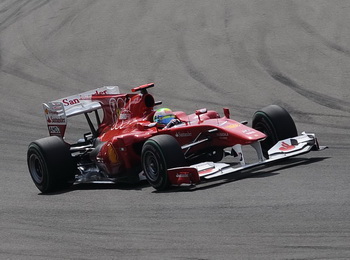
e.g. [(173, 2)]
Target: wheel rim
[(152, 166), (36, 168)]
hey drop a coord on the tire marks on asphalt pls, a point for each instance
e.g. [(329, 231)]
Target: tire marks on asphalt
[(37, 58), (313, 33), (191, 68), (69, 18), (267, 63), (12, 11)]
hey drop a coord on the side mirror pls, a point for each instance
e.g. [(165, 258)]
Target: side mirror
[(151, 125), (145, 126), (200, 112)]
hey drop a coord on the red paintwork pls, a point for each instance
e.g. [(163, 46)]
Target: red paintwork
[(126, 126), (188, 175)]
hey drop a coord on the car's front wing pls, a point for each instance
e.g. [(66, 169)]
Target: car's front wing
[(208, 170)]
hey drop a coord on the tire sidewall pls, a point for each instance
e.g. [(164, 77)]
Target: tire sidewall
[(57, 165), (166, 151), (276, 123), (158, 180), (263, 124), (44, 182)]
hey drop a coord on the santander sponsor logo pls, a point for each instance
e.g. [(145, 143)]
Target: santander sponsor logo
[(76, 100), (57, 120), (183, 134), (69, 102)]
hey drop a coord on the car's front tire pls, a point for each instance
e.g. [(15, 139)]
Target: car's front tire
[(50, 164), (276, 123), (159, 153)]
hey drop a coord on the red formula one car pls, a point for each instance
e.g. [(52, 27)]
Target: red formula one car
[(129, 141)]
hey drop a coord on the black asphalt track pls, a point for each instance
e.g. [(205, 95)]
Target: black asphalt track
[(238, 54)]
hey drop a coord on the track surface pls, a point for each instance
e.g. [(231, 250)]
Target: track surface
[(239, 54)]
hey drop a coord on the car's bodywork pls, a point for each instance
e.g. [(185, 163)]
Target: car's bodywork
[(116, 150)]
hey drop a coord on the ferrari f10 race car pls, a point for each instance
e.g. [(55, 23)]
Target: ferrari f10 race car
[(131, 141)]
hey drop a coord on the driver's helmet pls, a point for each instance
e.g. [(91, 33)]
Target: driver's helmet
[(163, 116)]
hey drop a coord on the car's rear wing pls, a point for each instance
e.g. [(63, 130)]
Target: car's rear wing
[(57, 111)]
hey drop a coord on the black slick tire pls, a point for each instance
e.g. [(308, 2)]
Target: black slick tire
[(159, 153), (50, 164), (276, 123)]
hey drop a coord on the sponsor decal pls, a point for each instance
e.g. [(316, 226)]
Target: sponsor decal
[(54, 130), (73, 100), (248, 132), (69, 102), (187, 175), (182, 175), (112, 154), (104, 92), (51, 112), (222, 136), (286, 147), (124, 114), (135, 100), (113, 105), (183, 134), (232, 126), (56, 120), (118, 109)]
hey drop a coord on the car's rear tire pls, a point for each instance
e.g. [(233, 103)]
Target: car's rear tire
[(159, 153), (276, 123), (50, 164)]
